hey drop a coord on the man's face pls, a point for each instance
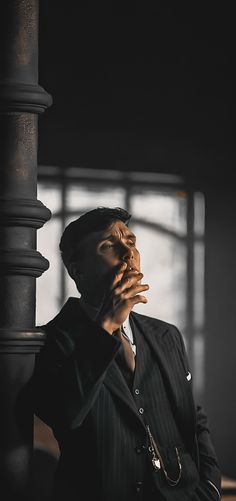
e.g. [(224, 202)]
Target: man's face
[(104, 251)]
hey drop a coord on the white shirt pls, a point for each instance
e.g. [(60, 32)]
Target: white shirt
[(126, 327)]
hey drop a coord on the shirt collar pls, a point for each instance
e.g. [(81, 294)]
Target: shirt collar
[(127, 329)]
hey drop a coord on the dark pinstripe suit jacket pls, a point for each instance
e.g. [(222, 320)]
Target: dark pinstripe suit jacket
[(79, 391)]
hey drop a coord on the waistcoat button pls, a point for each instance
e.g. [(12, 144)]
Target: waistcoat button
[(139, 486), (140, 449)]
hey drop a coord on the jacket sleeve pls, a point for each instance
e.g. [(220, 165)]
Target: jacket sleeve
[(209, 469), (210, 476), (68, 374)]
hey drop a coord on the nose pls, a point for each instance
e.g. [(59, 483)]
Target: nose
[(126, 253)]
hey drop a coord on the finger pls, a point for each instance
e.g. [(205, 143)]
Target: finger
[(128, 281), (113, 277), (133, 291), (117, 274), (138, 299)]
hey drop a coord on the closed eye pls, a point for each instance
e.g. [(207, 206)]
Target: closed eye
[(109, 245), (106, 246)]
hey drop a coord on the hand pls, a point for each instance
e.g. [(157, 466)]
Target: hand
[(121, 297)]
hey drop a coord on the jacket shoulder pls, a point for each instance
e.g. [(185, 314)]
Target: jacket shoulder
[(70, 313), (160, 329), (156, 322), (62, 330)]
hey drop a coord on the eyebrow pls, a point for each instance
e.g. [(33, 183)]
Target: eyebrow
[(112, 237)]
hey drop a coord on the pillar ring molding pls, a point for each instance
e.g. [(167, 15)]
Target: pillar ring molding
[(23, 212), (22, 97), (19, 341), (22, 262)]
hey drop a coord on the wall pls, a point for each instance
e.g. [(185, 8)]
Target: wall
[(221, 319), (152, 91)]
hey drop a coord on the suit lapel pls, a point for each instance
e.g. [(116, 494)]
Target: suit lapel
[(164, 348), (116, 383)]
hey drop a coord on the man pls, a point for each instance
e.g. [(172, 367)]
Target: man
[(114, 385)]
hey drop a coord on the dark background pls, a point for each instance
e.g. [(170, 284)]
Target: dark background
[(145, 88)]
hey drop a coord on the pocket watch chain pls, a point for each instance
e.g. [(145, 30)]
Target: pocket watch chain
[(158, 462)]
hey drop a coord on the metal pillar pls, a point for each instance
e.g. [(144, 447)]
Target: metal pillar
[(21, 214)]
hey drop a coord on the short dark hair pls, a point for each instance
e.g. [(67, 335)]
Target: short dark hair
[(95, 220)]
